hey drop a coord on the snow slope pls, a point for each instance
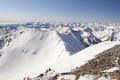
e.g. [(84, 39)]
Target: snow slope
[(28, 53), (83, 56), (32, 52), (65, 66)]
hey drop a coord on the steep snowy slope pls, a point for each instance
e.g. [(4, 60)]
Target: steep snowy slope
[(30, 52), (70, 68), (33, 51), (82, 57)]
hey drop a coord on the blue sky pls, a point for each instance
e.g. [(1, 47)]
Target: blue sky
[(60, 10)]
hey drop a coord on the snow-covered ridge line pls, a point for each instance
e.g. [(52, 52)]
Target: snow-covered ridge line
[(97, 49), (83, 56), (33, 50)]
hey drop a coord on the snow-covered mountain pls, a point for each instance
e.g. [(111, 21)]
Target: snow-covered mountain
[(31, 48), (100, 65)]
